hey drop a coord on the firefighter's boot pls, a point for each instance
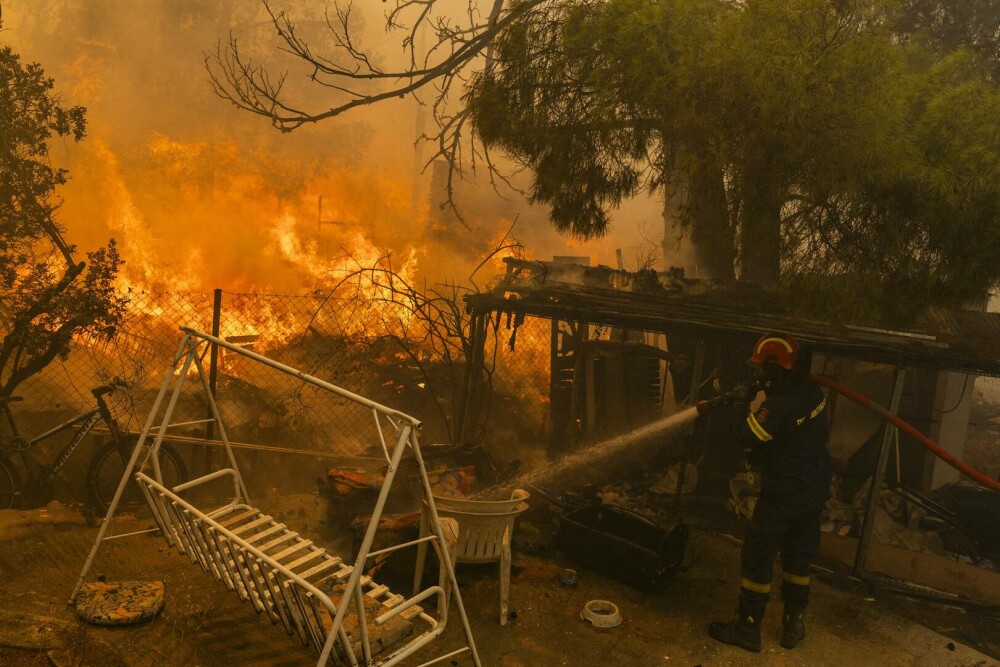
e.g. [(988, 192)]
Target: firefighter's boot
[(742, 630), (793, 629)]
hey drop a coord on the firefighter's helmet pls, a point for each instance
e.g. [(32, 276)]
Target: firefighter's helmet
[(780, 350)]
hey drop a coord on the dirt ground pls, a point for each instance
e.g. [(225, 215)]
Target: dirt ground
[(42, 552)]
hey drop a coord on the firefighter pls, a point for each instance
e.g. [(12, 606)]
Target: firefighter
[(787, 438)]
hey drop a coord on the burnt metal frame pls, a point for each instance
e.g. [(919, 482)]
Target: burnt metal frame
[(190, 352)]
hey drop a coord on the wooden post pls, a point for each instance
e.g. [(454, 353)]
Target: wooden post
[(699, 362), (468, 408), (576, 399), (590, 404)]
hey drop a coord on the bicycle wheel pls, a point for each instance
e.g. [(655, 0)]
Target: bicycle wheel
[(10, 484), (108, 465)]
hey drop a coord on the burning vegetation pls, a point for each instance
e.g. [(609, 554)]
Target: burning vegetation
[(351, 253), (321, 243)]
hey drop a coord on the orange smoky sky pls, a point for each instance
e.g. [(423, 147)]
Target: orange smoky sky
[(201, 195)]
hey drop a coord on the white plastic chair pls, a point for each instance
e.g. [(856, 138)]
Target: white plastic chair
[(485, 528)]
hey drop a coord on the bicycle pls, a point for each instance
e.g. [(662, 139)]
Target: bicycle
[(103, 474)]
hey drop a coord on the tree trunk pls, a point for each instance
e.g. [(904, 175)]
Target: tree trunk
[(760, 242), (697, 229), (711, 233)]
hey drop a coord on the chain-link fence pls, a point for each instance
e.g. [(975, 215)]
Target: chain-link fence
[(372, 344), (517, 409)]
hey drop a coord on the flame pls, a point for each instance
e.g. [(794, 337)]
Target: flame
[(200, 196), (172, 251), (193, 216), (203, 209)]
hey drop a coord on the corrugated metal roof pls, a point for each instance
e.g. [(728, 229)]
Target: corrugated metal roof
[(958, 340)]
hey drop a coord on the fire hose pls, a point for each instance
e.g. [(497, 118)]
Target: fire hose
[(935, 448), (865, 402)]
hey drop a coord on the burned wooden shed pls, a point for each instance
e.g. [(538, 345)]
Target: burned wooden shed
[(577, 299), (623, 345)]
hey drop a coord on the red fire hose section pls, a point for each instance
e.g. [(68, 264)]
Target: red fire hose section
[(945, 456)]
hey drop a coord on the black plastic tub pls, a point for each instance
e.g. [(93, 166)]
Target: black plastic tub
[(978, 511), (623, 545)]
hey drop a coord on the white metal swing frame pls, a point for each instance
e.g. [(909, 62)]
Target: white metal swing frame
[(239, 559)]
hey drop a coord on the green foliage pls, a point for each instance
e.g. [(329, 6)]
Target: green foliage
[(551, 101), (950, 25), (920, 225), (48, 297), (29, 117), (859, 169)]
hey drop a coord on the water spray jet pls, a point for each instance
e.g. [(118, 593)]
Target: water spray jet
[(573, 464)]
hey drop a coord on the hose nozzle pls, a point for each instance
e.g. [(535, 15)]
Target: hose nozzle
[(710, 405)]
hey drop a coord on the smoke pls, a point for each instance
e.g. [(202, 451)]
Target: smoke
[(202, 195)]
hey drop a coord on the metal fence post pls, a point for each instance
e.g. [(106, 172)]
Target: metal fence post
[(878, 476), (213, 367)]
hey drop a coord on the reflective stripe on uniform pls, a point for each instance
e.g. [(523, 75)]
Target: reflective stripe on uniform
[(757, 429), (813, 414), (755, 587), (796, 579)]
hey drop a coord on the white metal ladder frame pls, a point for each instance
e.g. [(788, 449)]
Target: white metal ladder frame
[(190, 353)]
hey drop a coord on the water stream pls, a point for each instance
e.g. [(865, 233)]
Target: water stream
[(568, 466)]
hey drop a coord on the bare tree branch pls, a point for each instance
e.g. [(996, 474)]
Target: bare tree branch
[(442, 51)]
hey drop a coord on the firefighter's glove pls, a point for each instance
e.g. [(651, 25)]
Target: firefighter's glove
[(704, 407)]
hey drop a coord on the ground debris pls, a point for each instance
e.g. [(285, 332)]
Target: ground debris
[(20, 522), (64, 642)]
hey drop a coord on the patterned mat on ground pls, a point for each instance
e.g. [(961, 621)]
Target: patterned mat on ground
[(120, 602)]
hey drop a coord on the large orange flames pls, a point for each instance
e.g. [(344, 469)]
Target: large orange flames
[(202, 215)]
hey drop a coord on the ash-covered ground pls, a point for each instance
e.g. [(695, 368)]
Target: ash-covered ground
[(42, 551)]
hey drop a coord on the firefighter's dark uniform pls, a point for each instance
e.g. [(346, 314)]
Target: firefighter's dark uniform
[(787, 437)]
